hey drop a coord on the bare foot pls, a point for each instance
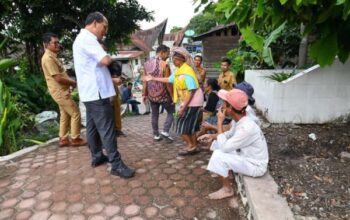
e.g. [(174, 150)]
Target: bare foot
[(221, 193)]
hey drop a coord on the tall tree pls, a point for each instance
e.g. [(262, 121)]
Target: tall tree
[(327, 21), (202, 23), (27, 20)]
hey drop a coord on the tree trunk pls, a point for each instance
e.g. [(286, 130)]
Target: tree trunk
[(29, 56), (37, 57), (303, 48)]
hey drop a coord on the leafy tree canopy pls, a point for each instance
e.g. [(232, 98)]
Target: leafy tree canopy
[(327, 21), (175, 29), (202, 23), (27, 20)]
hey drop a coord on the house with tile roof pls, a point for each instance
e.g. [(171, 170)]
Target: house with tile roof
[(142, 46)]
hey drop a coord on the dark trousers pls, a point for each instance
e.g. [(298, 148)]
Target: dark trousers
[(170, 109), (134, 105), (100, 131)]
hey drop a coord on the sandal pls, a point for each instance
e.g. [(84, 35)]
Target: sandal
[(188, 153)]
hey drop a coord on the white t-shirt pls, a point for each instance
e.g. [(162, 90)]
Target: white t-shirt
[(94, 80)]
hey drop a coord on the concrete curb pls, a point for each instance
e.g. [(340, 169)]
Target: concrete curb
[(27, 150), (260, 196), (32, 148)]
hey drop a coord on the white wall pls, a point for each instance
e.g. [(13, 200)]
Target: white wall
[(316, 95)]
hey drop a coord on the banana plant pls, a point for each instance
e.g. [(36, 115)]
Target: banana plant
[(9, 121), (262, 45)]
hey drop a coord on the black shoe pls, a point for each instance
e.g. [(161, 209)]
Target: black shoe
[(123, 171), (146, 113), (99, 162), (120, 133)]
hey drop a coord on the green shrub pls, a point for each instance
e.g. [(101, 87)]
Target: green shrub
[(9, 121), (279, 77), (30, 88)]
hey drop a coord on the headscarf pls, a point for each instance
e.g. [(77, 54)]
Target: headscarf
[(189, 60), (187, 68)]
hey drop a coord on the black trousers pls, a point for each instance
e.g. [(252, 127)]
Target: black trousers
[(100, 131)]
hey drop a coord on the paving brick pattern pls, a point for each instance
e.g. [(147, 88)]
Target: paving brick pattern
[(59, 183)]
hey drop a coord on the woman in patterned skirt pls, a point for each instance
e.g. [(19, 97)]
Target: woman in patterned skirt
[(189, 95)]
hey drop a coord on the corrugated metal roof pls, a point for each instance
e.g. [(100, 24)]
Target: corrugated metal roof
[(214, 29), (177, 37), (128, 54)]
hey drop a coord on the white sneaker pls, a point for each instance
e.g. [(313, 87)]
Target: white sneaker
[(166, 135), (157, 137)]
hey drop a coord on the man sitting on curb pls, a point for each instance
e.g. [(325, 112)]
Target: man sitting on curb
[(242, 149)]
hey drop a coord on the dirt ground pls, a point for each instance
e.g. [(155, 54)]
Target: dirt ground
[(310, 173)]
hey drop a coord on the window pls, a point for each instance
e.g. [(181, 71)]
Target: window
[(234, 31)]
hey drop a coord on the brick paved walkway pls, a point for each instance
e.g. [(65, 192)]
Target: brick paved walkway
[(59, 183)]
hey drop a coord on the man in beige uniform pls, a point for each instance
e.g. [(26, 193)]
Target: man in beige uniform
[(58, 84), (226, 78)]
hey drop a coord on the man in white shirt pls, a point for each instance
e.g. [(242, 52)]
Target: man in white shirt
[(242, 149), (95, 86)]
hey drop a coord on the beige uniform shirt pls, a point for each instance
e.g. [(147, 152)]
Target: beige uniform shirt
[(226, 80), (52, 66)]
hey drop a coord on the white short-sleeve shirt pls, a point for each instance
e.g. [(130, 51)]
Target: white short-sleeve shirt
[(94, 80)]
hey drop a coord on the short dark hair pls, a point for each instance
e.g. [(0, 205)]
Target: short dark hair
[(213, 83), (226, 60), (94, 16), (129, 83), (162, 48), (199, 56), (47, 37)]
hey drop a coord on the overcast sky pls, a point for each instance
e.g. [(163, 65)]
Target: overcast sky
[(178, 12)]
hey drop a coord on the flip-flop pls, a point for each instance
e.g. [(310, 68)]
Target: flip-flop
[(188, 153)]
